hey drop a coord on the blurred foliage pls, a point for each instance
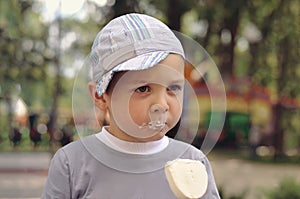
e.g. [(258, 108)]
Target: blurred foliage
[(235, 196), (288, 188), (24, 53), (23, 42)]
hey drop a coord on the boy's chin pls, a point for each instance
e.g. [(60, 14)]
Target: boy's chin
[(150, 135), (155, 137)]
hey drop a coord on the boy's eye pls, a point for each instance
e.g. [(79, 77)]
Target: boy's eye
[(143, 89), (174, 88)]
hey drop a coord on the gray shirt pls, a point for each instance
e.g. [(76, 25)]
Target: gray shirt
[(90, 169)]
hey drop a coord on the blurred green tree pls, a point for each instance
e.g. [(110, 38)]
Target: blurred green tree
[(274, 61), (24, 54)]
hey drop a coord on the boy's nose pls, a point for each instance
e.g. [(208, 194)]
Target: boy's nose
[(158, 114), (157, 108), (160, 100)]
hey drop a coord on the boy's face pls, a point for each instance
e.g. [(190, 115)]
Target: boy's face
[(145, 104)]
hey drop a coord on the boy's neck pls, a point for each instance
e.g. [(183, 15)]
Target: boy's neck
[(142, 148)]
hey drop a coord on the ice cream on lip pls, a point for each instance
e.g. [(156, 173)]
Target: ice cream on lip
[(158, 118)]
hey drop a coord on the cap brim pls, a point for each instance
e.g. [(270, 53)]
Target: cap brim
[(141, 62)]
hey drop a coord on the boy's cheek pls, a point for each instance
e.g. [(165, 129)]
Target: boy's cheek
[(137, 113)]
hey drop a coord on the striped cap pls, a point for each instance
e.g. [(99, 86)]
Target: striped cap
[(130, 42)]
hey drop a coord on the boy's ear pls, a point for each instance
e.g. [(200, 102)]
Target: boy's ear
[(99, 101)]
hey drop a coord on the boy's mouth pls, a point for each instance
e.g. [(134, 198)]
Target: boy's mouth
[(154, 125), (158, 118)]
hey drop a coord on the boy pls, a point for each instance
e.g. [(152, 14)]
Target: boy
[(138, 77)]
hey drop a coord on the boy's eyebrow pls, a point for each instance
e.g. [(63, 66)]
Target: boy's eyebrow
[(176, 81), (140, 82)]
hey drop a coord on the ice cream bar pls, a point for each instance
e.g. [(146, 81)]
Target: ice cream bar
[(187, 178)]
